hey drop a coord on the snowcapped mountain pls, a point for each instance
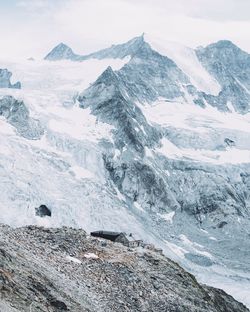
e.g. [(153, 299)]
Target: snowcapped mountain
[(120, 51), (61, 52), (148, 137)]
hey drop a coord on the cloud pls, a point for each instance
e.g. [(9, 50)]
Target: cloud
[(192, 22), (220, 10), (217, 10), (33, 27)]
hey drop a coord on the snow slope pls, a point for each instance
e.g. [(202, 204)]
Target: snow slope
[(204, 122), (187, 61), (65, 168)]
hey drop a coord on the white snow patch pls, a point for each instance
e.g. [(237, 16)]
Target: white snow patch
[(212, 238), (148, 152), (82, 173), (120, 195), (90, 256), (183, 115), (177, 250), (168, 216), (138, 206), (80, 124), (204, 231), (229, 156), (193, 246), (73, 259)]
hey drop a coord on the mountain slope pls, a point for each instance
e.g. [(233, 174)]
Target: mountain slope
[(63, 52), (65, 270), (233, 78), (151, 68), (141, 146)]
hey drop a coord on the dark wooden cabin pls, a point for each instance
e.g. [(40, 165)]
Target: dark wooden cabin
[(118, 237)]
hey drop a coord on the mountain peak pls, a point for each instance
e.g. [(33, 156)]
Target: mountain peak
[(62, 45), (61, 51), (129, 48), (121, 51), (108, 77), (221, 45)]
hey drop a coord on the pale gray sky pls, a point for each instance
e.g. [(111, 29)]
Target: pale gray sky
[(33, 27)]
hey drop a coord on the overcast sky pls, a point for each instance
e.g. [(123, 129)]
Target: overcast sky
[(33, 27)]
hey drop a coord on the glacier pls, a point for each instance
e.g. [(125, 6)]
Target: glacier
[(148, 137)]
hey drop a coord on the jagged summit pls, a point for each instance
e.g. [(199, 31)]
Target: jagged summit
[(221, 45), (108, 76), (61, 52), (120, 50), (231, 68)]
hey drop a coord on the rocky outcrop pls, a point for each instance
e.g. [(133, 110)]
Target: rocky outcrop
[(107, 98), (231, 68), (66, 270), (17, 114), (61, 52), (5, 76), (43, 211)]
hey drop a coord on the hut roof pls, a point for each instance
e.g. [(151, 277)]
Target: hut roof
[(106, 234)]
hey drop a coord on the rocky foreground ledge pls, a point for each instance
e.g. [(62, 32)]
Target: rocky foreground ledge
[(64, 269)]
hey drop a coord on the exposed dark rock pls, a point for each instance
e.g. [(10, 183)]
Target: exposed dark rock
[(234, 79), (229, 142), (43, 211), (222, 224), (40, 277), (108, 101), (58, 305)]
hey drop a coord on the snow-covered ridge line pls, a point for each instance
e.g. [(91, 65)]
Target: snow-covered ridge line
[(184, 57), (187, 61), (86, 168)]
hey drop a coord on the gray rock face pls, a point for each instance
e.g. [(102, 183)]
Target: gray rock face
[(149, 75), (108, 100), (5, 76), (120, 50), (186, 188), (65, 270), (112, 98), (216, 57), (231, 67), (17, 114), (145, 78), (61, 52)]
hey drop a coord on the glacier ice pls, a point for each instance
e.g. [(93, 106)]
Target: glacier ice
[(136, 147)]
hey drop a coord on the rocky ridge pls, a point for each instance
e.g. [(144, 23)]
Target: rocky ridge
[(64, 269), (17, 114), (5, 76)]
